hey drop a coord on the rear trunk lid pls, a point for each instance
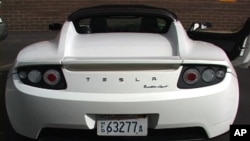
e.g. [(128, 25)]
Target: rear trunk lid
[(121, 63), (119, 45)]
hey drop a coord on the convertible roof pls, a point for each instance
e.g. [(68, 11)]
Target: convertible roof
[(121, 10)]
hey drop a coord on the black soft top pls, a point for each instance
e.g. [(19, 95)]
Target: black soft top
[(121, 10)]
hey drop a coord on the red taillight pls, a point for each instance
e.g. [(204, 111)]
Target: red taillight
[(196, 76), (51, 77), (191, 76), (43, 76)]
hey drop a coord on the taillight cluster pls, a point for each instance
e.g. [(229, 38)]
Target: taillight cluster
[(49, 77), (194, 76)]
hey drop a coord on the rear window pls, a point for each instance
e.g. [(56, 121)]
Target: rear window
[(144, 24)]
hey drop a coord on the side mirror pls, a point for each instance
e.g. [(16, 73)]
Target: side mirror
[(200, 26), (55, 26), (3, 30)]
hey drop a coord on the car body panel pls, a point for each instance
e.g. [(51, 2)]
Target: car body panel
[(183, 47), (56, 108), (235, 44), (120, 45)]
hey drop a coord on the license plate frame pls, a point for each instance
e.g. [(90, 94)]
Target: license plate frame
[(122, 125)]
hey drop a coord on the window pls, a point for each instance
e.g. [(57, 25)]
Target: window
[(144, 24)]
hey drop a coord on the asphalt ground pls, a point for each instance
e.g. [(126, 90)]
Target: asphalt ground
[(18, 40)]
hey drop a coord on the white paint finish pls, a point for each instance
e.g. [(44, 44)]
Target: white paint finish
[(120, 60), (44, 52), (130, 82), (120, 45), (180, 108), (205, 51), (196, 50), (69, 46)]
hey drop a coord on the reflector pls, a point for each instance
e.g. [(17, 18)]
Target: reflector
[(220, 74), (22, 75), (208, 75), (35, 76)]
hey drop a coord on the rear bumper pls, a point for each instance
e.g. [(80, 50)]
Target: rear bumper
[(213, 108)]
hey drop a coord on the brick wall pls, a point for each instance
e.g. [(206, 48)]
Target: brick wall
[(35, 15)]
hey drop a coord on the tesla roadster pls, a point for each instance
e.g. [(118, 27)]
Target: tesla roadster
[(122, 71)]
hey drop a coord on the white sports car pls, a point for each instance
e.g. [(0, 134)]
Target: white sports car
[(122, 71)]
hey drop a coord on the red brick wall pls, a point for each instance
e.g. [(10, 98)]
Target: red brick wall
[(35, 15)]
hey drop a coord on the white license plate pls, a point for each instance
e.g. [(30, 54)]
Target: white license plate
[(122, 126)]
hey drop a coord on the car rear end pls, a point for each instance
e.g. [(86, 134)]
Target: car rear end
[(156, 95), (121, 84)]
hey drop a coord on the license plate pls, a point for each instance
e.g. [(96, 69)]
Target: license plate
[(122, 126)]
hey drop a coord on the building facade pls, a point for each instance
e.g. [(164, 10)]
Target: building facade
[(36, 15)]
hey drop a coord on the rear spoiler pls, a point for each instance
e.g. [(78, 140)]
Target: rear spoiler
[(121, 64), (149, 60)]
